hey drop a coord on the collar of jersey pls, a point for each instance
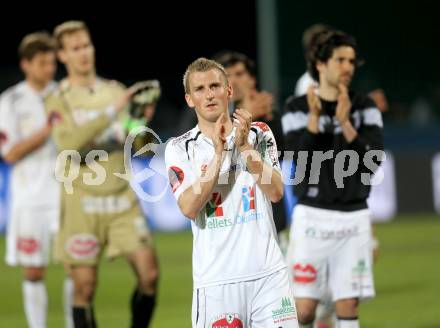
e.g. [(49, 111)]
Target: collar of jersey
[(26, 88), (229, 138), (65, 85)]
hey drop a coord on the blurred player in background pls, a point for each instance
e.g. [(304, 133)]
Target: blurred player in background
[(309, 38), (242, 76), (325, 310), (91, 115), (26, 144), (331, 232)]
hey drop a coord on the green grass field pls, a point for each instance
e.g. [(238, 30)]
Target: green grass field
[(407, 282)]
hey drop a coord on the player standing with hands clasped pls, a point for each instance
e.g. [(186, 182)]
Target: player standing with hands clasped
[(224, 175), (341, 132)]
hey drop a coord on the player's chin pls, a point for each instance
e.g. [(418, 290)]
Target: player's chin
[(213, 117), (86, 67), (45, 79), (345, 80), (213, 110)]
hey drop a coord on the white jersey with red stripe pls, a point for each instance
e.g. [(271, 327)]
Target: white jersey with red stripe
[(234, 234)]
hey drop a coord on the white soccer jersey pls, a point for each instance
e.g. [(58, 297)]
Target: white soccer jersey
[(303, 84), (22, 114), (234, 235)]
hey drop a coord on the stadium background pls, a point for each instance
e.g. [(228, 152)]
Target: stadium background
[(400, 45)]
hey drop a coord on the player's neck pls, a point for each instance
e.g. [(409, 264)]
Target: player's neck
[(208, 128), (35, 85), (328, 92), (82, 80)]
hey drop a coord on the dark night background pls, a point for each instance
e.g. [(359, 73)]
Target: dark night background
[(399, 42)]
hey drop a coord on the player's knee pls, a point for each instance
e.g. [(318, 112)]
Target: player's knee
[(347, 308), (148, 281), (306, 317), (85, 290), (306, 313), (34, 274)]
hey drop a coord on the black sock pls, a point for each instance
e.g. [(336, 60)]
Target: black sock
[(142, 306), (84, 317)]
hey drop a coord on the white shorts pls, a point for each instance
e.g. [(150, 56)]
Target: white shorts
[(262, 303), (29, 235), (330, 249)]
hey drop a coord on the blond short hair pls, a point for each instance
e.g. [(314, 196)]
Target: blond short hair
[(67, 28), (202, 65), (34, 43)]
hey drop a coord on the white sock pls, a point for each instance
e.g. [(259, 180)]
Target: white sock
[(68, 302), (341, 323), (35, 303)]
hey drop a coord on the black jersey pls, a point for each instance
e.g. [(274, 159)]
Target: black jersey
[(330, 191)]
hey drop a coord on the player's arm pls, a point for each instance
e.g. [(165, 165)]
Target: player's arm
[(267, 178), (193, 199), (301, 124), (369, 136), (68, 135), (27, 146), (71, 136), (14, 147), (194, 193)]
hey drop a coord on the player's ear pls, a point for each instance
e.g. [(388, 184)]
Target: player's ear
[(61, 55), (24, 64), (229, 90), (189, 100), (320, 66)]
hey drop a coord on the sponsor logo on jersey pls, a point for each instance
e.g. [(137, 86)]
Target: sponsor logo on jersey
[(82, 246), (304, 273), (329, 234), (214, 210), (227, 320), (216, 223), (27, 245), (360, 269), (181, 138), (176, 176), (105, 205), (203, 169), (286, 312), (248, 198), (360, 276), (81, 115), (213, 207)]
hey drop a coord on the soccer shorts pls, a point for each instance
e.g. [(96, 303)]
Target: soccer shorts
[(91, 222), (262, 303), (330, 249), (29, 235)]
